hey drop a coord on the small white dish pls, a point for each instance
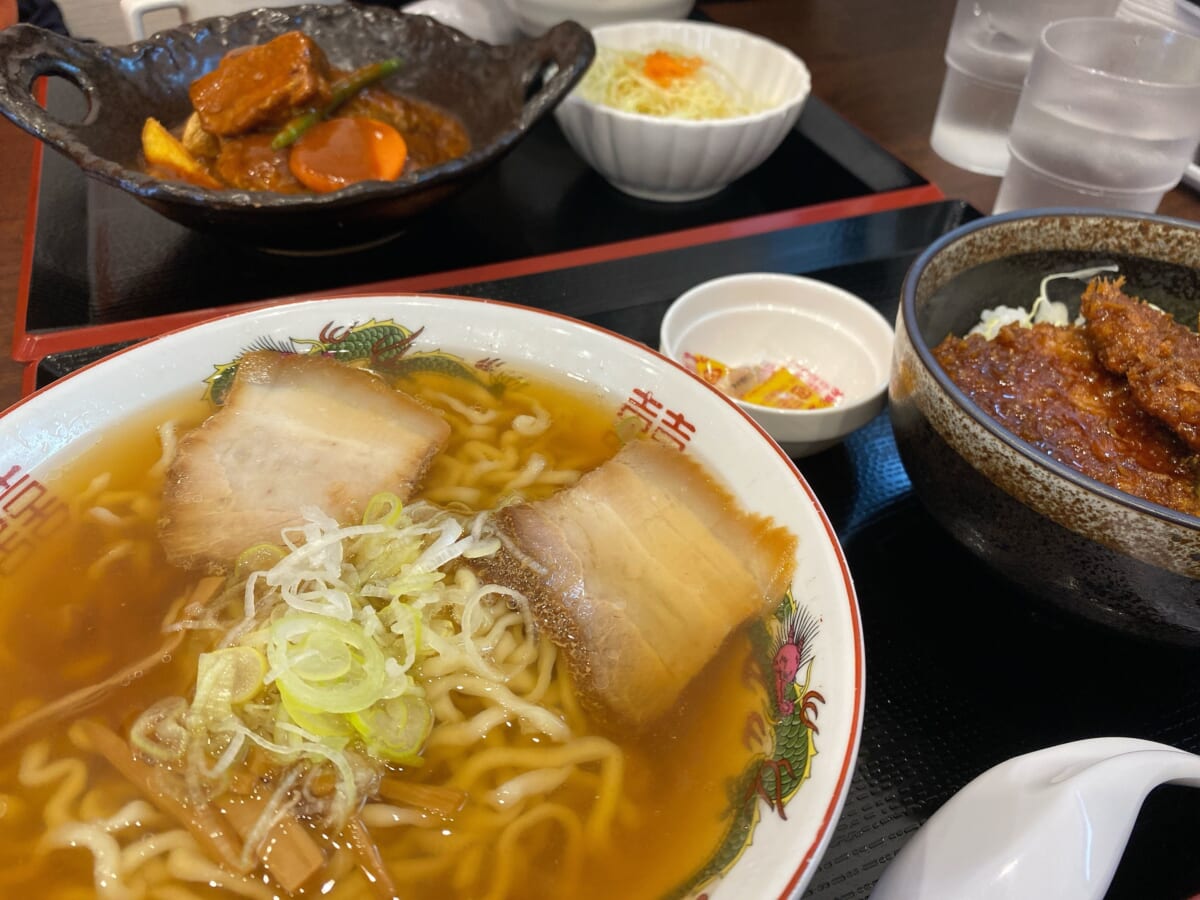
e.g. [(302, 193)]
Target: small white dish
[(535, 16), (754, 317), (483, 20), (168, 13), (674, 160)]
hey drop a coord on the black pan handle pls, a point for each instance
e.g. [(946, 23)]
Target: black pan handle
[(553, 62), (27, 53)]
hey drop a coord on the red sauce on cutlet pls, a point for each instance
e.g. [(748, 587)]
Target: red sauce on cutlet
[(1045, 385)]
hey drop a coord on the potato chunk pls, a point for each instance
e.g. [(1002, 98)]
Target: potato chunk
[(165, 152)]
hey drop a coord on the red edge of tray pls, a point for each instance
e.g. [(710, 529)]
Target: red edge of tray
[(25, 273), (35, 346)]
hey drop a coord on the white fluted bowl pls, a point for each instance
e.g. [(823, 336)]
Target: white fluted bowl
[(657, 158), (535, 16)]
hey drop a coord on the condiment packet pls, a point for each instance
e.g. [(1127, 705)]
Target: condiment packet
[(788, 385)]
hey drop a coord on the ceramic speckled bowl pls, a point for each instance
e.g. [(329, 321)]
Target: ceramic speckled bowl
[(498, 92), (1092, 549)]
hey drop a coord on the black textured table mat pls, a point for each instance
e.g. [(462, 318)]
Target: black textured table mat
[(963, 670)]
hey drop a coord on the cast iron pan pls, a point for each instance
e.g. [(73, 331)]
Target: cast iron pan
[(498, 92)]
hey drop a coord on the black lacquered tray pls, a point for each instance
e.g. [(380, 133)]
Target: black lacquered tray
[(963, 670), (100, 258)]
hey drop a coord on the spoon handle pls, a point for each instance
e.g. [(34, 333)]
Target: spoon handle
[(1183, 768)]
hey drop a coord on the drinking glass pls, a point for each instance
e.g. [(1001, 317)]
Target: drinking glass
[(1109, 117), (987, 56)]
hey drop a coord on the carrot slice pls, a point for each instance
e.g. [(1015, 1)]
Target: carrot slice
[(345, 150)]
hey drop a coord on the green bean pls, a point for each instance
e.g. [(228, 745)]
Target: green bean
[(343, 90)]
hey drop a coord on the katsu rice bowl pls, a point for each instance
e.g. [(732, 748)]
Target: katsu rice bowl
[(1043, 397), (413, 596)]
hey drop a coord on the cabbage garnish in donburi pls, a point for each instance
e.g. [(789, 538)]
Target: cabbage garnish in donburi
[(1043, 309), (313, 673)]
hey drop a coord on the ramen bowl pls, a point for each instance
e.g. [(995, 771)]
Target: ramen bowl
[(787, 781), (675, 160), (838, 346), (1099, 553), (497, 92)]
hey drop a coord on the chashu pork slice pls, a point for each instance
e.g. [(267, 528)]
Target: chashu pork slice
[(295, 432), (639, 572)]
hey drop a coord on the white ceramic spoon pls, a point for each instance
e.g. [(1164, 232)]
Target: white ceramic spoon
[(1052, 823)]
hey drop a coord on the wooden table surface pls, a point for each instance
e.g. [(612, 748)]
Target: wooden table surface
[(877, 64)]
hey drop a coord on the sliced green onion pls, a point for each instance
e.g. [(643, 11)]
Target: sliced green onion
[(291, 656), (257, 558), (395, 729), (383, 509), (326, 726), (160, 732), (321, 656), (226, 677), (323, 665)]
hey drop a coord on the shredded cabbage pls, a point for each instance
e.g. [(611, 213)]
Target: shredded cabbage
[(1043, 309)]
